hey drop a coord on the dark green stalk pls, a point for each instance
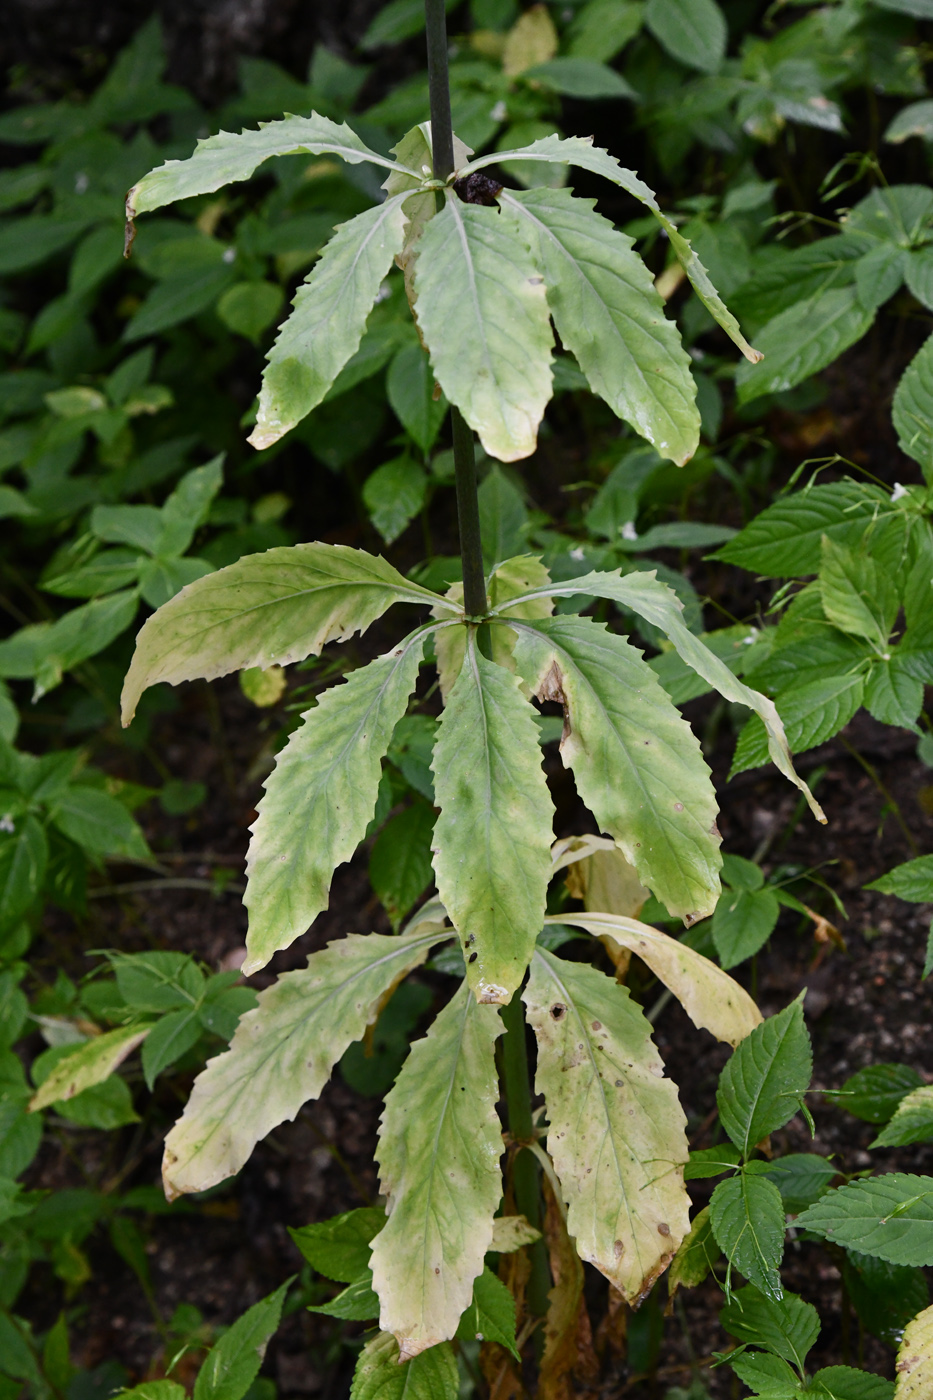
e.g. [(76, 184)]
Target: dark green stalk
[(521, 1126), (442, 140)]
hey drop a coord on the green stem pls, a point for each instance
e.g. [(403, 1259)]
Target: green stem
[(442, 141), (525, 1183)]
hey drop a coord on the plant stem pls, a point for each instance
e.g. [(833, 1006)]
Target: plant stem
[(521, 1126), (442, 141)]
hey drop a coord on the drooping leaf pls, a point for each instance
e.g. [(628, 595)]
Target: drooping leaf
[(225, 158), (356, 1303), (272, 608), (492, 839), (912, 409), (803, 340), (915, 1358), (609, 315), (320, 798), (710, 997), (580, 151), (439, 1148), (812, 713), (483, 313), (788, 1327), (761, 1086), (616, 1132), (636, 762), (328, 319), (491, 1314), (890, 1217), (643, 594), (233, 1363), (432, 1375), (747, 1217), (283, 1052), (510, 1232), (857, 596), (89, 1063)]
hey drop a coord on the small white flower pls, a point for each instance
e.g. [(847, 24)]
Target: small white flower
[(6, 823), (81, 182), (579, 553), (229, 255), (384, 291), (628, 530), (898, 491), (499, 112), (752, 637)]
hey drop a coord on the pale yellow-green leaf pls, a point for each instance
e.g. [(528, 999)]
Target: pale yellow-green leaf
[(492, 839), (328, 318), (915, 1359), (266, 609), (570, 849), (439, 1147), (711, 998), (264, 688), (636, 762), (415, 152), (89, 1063), (617, 1131), (228, 157), (510, 1232), (320, 798), (507, 581), (606, 881), (580, 151), (532, 39), (282, 1054), (483, 313), (608, 313)]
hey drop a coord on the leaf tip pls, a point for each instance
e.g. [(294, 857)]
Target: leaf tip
[(752, 355)]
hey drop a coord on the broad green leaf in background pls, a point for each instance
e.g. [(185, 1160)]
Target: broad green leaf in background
[(785, 539), (24, 855), (99, 823), (225, 158), (912, 881), (171, 1037), (507, 580), (788, 1327), (696, 1256), (493, 837), (410, 390), (710, 997), (233, 1363), (283, 1053), (652, 600), (857, 596), (747, 1216), (609, 315), (503, 517), (888, 1216), (483, 313), (491, 1314), (616, 1133), (912, 410), (580, 151), (915, 1358), (636, 762), (916, 119), (762, 1085), (912, 1121), (693, 31), (89, 1063), (803, 340), (400, 867), (743, 921), (340, 1247), (801, 1178), (873, 1093), (394, 494), (432, 1375), (328, 319), (812, 713), (439, 1148), (271, 608), (320, 798)]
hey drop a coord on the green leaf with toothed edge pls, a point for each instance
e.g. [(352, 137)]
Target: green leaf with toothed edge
[(580, 151), (87, 1064), (636, 761), (747, 1216), (378, 1376), (439, 1147), (616, 1134), (643, 594), (283, 1053), (320, 798), (484, 317), (912, 410), (609, 315), (271, 608), (762, 1085), (233, 1363), (492, 840), (228, 157), (788, 1328), (712, 999), (890, 1217), (328, 319)]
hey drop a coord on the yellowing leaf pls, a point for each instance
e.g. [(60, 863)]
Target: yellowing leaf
[(484, 317), (510, 1232), (271, 608), (283, 1052), (532, 39), (711, 998), (264, 688), (439, 1148), (320, 798), (492, 839), (915, 1359), (616, 1132), (508, 580), (89, 1063)]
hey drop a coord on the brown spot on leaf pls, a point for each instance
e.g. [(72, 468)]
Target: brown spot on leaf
[(664, 1228)]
